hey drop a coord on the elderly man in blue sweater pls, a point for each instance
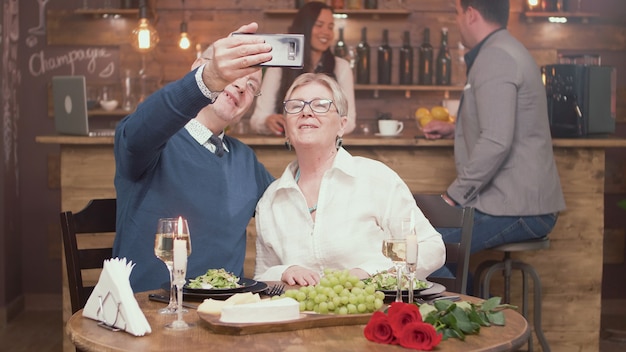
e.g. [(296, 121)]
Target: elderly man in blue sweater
[(169, 163)]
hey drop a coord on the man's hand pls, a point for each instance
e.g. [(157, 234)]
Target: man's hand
[(234, 57), (297, 275), (437, 129), (276, 124)]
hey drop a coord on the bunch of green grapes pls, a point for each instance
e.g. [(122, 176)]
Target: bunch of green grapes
[(338, 292)]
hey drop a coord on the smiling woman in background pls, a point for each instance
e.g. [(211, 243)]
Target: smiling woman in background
[(329, 209), (314, 20)]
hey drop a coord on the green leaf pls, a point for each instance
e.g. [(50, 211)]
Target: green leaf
[(496, 318), (457, 334), (475, 317), (460, 315), (490, 304), (426, 309), (484, 318), (467, 327), (443, 304)]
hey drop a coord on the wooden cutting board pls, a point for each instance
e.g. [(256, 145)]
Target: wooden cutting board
[(306, 321)]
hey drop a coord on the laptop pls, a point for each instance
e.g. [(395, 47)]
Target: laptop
[(70, 107)]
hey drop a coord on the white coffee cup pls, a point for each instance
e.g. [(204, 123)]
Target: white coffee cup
[(452, 105), (390, 127)]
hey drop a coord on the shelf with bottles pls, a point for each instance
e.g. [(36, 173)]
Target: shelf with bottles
[(584, 17), (376, 88), (374, 13)]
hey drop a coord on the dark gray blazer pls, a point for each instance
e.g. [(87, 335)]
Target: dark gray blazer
[(503, 148)]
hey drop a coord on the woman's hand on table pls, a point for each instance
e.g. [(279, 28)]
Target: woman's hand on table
[(297, 275), (360, 273)]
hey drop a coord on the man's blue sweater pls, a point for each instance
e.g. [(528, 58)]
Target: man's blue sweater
[(161, 171)]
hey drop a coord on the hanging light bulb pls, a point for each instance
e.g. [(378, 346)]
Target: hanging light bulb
[(532, 5), (144, 37), (184, 42)]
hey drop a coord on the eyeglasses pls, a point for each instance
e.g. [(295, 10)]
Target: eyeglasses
[(294, 106), (253, 87)]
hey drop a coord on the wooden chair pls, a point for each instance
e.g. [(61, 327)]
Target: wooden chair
[(96, 218), (442, 215)]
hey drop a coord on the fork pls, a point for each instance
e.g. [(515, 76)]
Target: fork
[(276, 290)]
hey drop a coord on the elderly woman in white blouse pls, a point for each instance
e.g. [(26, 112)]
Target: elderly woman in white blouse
[(329, 208)]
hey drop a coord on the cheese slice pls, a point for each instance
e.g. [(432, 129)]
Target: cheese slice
[(266, 311), (214, 306), (242, 298), (211, 306)]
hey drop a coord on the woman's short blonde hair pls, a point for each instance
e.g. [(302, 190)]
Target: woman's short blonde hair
[(339, 99)]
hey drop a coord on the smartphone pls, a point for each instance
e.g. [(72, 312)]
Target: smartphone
[(287, 49)]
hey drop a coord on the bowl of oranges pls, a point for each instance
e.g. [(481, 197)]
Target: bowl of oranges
[(424, 115)]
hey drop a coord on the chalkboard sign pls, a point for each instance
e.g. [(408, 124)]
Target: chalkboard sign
[(97, 63)]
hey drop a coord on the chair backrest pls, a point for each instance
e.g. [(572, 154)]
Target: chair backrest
[(97, 217), (442, 215)]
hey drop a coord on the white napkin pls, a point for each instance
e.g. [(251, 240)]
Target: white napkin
[(113, 302)]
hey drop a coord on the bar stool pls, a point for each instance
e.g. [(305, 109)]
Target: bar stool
[(506, 265)]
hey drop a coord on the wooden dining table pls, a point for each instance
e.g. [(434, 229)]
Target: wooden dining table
[(88, 336)]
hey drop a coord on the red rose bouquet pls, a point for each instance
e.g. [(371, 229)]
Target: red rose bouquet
[(423, 327), (402, 325)]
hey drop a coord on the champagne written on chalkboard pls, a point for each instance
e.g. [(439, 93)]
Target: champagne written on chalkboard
[(363, 59), (385, 56), (340, 50), (444, 61), (425, 66), (406, 60)]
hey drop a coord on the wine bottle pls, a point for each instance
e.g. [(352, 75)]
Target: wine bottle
[(425, 67), (340, 49), (354, 4), (384, 60), (406, 60), (363, 59), (371, 4), (444, 61), (299, 3), (337, 4)]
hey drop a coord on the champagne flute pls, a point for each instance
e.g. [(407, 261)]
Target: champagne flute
[(164, 250), (394, 248), (182, 249)]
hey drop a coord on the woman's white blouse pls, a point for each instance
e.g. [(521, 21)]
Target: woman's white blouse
[(357, 196)]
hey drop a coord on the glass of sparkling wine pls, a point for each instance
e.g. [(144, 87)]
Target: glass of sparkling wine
[(394, 248), (164, 250), (182, 249)]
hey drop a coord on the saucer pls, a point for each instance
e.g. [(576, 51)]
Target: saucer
[(387, 135)]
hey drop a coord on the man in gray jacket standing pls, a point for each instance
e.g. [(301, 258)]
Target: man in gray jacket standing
[(502, 148)]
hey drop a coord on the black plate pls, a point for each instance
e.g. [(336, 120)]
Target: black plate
[(434, 290), (221, 294), (200, 296), (245, 285), (406, 292)]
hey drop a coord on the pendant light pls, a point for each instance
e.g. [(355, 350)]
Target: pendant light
[(144, 37), (184, 42)]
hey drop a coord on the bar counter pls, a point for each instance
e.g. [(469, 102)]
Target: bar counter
[(571, 269)]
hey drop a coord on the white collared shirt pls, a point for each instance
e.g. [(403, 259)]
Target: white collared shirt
[(357, 196), (201, 134)]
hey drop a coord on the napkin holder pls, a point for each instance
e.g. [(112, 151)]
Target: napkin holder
[(112, 302)]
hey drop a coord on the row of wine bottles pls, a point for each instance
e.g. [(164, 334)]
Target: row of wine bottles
[(426, 62)]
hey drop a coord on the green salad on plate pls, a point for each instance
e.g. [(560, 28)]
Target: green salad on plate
[(215, 279)]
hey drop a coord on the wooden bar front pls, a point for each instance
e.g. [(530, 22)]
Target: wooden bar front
[(571, 270)]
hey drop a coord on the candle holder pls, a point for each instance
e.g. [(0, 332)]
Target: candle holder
[(181, 249)]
